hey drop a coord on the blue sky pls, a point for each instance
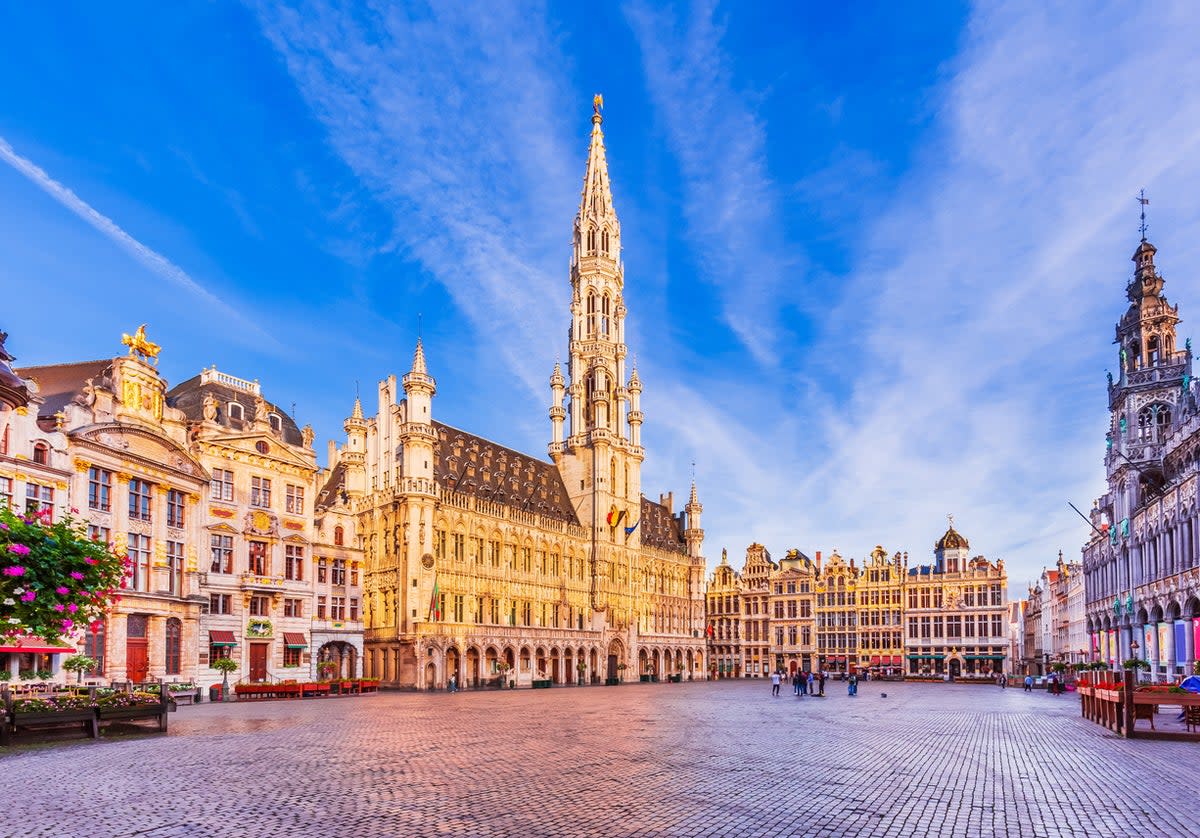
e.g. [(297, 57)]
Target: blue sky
[(873, 256)]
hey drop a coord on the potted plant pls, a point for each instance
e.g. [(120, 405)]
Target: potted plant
[(325, 670), (57, 709), (79, 664), (504, 667), (1135, 664), (225, 666)]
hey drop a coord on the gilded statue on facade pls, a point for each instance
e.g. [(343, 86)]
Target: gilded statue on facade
[(139, 344), (597, 103)]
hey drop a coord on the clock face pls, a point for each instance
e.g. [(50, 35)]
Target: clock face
[(427, 561)]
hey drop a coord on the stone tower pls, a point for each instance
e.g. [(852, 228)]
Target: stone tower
[(601, 455)]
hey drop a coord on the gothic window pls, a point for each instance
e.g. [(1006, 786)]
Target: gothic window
[(1132, 354), (1152, 351), (604, 242), (591, 240), (604, 314), (591, 314), (1153, 422)]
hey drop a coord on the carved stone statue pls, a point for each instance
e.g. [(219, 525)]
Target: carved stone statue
[(210, 407), (307, 435)]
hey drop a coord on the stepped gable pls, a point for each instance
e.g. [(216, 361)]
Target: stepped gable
[(660, 528), (475, 466)]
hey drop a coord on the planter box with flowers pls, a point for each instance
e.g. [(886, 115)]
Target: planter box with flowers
[(50, 711), (129, 706)]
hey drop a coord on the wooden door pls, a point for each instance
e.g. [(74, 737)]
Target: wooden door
[(258, 661), (137, 656)]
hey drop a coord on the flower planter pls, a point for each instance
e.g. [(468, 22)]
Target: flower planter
[(645, 679), (62, 718), (313, 689)]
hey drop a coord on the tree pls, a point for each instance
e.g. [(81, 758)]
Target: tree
[(225, 666), (79, 664), (53, 578)]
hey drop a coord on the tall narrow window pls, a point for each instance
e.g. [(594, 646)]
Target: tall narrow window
[(222, 553), (257, 560), (339, 536), (139, 499), (175, 505), (260, 492), (591, 314), (175, 568), (221, 485), (294, 501), (604, 311), (93, 647), (6, 492), (293, 562), (604, 242), (139, 561), (41, 453), (39, 499), (99, 489), (172, 654)]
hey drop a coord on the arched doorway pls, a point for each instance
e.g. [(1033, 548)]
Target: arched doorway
[(452, 666), (472, 674), (594, 665), (555, 665), (955, 668), (344, 657), (430, 676), (643, 663), (539, 664), (568, 665), (490, 659), (616, 656)]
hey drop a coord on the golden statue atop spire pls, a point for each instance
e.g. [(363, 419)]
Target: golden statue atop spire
[(139, 344), (597, 104)]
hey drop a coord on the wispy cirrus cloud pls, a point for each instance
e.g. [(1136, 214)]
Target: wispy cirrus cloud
[(451, 117), (729, 198), (153, 260), (975, 325)]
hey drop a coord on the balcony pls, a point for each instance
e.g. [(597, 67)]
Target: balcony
[(255, 582)]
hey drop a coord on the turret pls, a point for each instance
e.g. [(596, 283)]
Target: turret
[(417, 434), (635, 409), (354, 453), (557, 412), (694, 534)]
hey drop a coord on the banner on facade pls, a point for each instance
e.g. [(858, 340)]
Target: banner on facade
[(1165, 636), (1149, 643), (1181, 639)]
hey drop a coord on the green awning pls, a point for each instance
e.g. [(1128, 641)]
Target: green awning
[(984, 657), (926, 657)]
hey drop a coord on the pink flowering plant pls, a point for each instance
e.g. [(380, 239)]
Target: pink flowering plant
[(53, 578)]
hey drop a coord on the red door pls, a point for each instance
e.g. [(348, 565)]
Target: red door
[(258, 661), (137, 658)]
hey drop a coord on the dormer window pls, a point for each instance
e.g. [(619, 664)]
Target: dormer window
[(276, 422), (236, 411), (41, 453)]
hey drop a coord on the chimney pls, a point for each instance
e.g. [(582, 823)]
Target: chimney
[(817, 562), (332, 456)]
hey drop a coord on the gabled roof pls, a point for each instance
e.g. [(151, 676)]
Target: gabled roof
[(660, 528), (58, 384), (188, 396), (475, 466)]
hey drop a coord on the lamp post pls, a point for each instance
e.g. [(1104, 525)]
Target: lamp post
[(1133, 649)]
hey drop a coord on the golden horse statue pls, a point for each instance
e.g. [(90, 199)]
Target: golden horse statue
[(139, 344)]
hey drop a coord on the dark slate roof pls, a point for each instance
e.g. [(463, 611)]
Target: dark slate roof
[(660, 528), (475, 466), (58, 384), (923, 570), (327, 496), (188, 396)]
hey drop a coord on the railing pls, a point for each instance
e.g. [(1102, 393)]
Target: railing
[(213, 376)]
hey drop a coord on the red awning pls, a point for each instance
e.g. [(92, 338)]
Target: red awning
[(34, 645), (874, 660), (221, 638), (294, 640), (898, 660)]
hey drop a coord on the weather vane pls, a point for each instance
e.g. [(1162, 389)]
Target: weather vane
[(1143, 200), (950, 518)]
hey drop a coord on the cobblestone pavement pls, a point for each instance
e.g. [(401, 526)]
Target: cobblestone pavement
[(699, 759)]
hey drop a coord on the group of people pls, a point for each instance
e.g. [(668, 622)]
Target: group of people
[(808, 683), (1055, 684)]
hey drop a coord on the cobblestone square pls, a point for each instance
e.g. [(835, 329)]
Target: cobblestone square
[(639, 760)]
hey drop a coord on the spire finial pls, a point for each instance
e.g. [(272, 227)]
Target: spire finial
[(419, 359), (597, 105), (1143, 200), (950, 518)]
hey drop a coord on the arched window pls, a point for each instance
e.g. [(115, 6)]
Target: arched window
[(604, 242), (41, 453), (1132, 355), (174, 645), (1154, 420), (236, 411), (339, 536), (591, 314), (604, 306), (276, 422), (1152, 351), (591, 240)]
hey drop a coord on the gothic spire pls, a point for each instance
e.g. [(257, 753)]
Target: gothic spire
[(597, 225), (419, 360)]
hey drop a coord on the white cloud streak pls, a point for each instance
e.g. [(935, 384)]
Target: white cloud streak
[(453, 119), (730, 201), (975, 325), (152, 260)]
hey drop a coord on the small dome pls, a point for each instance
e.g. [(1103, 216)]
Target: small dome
[(952, 540)]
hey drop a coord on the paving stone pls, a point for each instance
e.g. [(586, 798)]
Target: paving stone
[(704, 759)]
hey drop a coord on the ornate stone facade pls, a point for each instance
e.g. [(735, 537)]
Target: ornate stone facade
[(492, 566), (1142, 561)]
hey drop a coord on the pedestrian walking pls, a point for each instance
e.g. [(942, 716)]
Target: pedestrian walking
[(796, 683), (453, 683), (853, 687), (775, 682), (822, 683), (812, 690), (1028, 683)]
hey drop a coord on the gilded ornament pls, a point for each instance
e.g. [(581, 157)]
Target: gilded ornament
[(139, 345)]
